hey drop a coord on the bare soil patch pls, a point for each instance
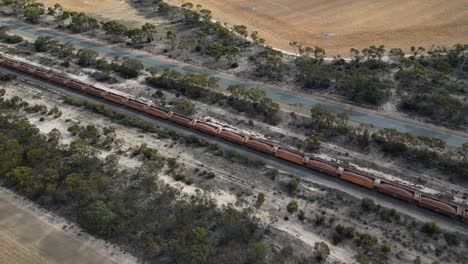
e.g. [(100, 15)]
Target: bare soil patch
[(339, 25), (110, 9)]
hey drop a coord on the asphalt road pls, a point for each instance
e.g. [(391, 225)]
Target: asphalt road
[(286, 97), (302, 172)]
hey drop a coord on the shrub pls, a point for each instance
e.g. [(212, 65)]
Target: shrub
[(368, 204), (292, 206), (14, 39), (430, 228), (293, 185)]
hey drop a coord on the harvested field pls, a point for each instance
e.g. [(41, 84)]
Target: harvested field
[(339, 25), (12, 252), (30, 235)]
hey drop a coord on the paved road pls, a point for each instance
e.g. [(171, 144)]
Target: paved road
[(286, 97), (302, 172)]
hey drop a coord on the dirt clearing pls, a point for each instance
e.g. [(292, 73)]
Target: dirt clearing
[(339, 25), (109, 9)]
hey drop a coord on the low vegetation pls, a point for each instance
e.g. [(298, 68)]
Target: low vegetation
[(425, 151), (121, 206), (427, 83)]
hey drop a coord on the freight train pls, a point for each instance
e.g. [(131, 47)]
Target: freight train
[(346, 174)]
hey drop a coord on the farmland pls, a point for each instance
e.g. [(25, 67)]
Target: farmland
[(339, 25)]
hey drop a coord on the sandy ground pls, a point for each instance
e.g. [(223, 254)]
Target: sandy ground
[(339, 25), (29, 234), (110, 9), (232, 182), (221, 188)]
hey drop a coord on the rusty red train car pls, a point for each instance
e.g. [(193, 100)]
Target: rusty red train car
[(137, 105), (181, 120), (438, 206), (76, 85), (231, 136), (322, 167), (260, 146), (207, 128), (290, 156), (396, 191), (357, 178), (115, 98), (157, 112)]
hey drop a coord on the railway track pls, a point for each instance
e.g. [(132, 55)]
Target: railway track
[(370, 182)]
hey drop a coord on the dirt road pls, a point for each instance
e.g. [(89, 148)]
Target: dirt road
[(277, 93), (30, 235)]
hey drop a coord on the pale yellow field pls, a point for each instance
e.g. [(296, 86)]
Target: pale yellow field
[(12, 252), (349, 23)]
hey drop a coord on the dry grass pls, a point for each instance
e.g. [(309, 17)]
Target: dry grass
[(13, 253), (348, 23), (110, 9)]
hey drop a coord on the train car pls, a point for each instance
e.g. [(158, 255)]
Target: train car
[(137, 105), (58, 79), (157, 112), (95, 91), (465, 216), (10, 64), (181, 120), (25, 68), (260, 146), (322, 167), (76, 85), (207, 128), (357, 178), (396, 191), (113, 97), (41, 74), (290, 156), (438, 206), (231, 136)]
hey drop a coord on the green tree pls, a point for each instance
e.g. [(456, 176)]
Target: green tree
[(171, 35), (114, 28), (43, 44), (130, 68), (293, 185), (260, 200), (87, 57), (21, 178), (292, 206), (202, 246), (321, 251), (368, 204), (313, 143), (216, 50), (183, 106), (396, 55), (82, 23), (430, 228), (32, 13), (98, 218), (256, 252), (241, 30)]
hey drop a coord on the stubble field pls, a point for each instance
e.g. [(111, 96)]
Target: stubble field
[(338, 25)]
